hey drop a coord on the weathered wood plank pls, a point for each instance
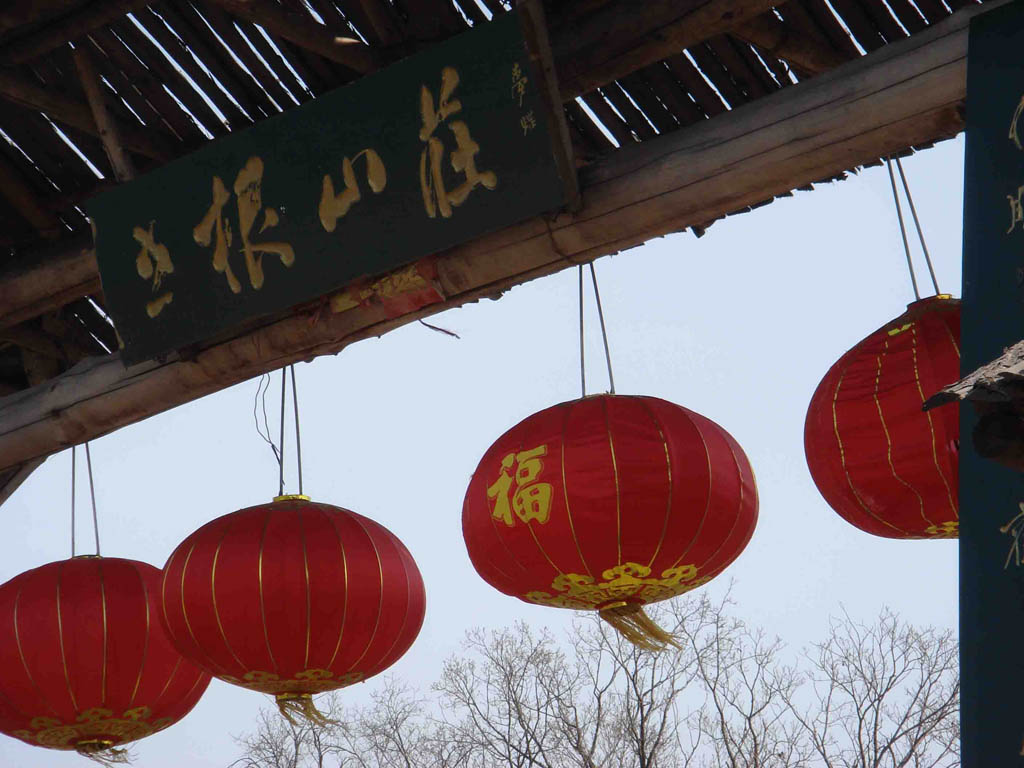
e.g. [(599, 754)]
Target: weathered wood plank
[(50, 283), (904, 95)]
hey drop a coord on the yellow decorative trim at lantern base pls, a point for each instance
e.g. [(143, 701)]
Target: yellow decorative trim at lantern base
[(620, 597), (629, 580), (948, 530), (308, 681), (291, 497), (95, 730)]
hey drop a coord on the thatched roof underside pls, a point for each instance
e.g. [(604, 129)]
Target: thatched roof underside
[(179, 73)]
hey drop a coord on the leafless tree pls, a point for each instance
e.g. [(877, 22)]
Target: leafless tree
[(745, 720), (884, 695)]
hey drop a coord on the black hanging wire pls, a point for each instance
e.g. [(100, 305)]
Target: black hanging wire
[(604, 331), (298, 440), (903, 227), (263, 429), (583, 367), (92, 496), (917, 225), (72, 501), (280, 490)]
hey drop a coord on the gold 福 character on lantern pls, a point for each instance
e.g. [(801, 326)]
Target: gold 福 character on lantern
[(436, 197), (214, 228), (531, 500), (332, 206), (153, 263)]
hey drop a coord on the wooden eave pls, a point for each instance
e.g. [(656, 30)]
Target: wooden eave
[(679, 113)]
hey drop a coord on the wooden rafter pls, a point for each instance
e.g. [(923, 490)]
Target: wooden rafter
[(904, 95), (105, 125)]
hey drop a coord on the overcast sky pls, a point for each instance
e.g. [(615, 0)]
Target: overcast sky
[(739, 326)]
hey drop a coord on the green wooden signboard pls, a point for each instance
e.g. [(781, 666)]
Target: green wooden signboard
[(991, 516), (430, 152)]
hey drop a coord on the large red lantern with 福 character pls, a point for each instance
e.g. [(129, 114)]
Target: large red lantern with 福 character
[(84, 662), (292, 598), (609, 503), (882, 463)]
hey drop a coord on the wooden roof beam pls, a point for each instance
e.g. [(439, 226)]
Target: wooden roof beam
[(304, 32), (26, 202), (70, 112), (623, 37), (906, 94), (806, 54), (53, 280), (19, 14), (73, 26)]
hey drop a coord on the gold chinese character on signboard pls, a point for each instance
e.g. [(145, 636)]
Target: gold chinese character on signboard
[(519, 82), (1014, 130), (1016, 209), (332, 206), (216, 229), (527, 122), (436, 197), (530, 500), (153, 263)]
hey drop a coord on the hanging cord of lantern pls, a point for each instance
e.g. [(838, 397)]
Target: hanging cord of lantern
[(98, 750), (903, 226), (92, 496), (296, 708), (264, 430), (604, 334), (627, 618)]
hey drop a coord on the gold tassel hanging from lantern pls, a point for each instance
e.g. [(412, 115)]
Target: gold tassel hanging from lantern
[(298, 708), (630, 621)]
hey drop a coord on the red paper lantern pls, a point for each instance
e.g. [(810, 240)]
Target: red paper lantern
[(292, 598), (85, 663), (882, 463), (608, 503)]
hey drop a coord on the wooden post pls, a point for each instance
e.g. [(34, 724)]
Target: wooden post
[(991, 495)]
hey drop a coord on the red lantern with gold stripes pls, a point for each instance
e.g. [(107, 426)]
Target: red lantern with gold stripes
[(882, 463), (85, 664), (608, 503), (292, 598)]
